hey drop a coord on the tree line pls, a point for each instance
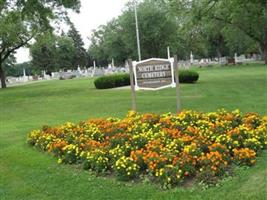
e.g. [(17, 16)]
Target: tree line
[(208, 28)]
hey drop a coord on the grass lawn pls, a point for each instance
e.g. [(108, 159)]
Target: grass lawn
[(26, 173)]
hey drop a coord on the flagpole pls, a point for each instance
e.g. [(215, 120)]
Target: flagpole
[(137, 32)]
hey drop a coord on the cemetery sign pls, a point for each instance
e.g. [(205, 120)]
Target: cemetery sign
[(153, 74)]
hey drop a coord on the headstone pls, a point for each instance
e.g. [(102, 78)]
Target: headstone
[(99, 72), (68, 75), (55, 75), (94, 69), (223, 61), (112, 63), (24, 78), (191, 58), (231, 61)]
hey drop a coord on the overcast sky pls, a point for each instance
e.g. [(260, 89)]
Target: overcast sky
[(92, 14)]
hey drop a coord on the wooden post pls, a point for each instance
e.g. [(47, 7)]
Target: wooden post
[(176, 74), (130, 63)]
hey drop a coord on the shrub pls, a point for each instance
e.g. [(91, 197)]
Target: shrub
[(186, 76), (112, 81)]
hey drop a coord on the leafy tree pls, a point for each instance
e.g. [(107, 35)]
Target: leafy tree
[(20, 21), (238, 42), (43, 53), (117, 39), (51, 53), (107, 43), (248, 16), (16, 70), (245, 18), (65, 53), (9, 65)]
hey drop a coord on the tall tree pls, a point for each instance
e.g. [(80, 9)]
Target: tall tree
[(247, 17), (52, 53), (20, 21), (107, 43), (65, 53), (43, 52), (117, 39), (80, 52)]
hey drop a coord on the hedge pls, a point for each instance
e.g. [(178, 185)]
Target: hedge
[(118, 80), (112, 81), (186, 76)]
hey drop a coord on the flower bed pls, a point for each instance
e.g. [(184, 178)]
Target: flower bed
[(165, 148)]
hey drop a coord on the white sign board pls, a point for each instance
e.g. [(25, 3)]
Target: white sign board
[(154, 74)]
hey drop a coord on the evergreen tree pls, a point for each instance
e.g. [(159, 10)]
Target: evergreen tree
[(80, 57), (43, 52)]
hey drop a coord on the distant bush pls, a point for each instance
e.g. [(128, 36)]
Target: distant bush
[(112, 81), (186, 76)]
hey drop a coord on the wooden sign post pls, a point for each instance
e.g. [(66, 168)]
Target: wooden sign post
[(176, 72), (154, 74), (130, 63)]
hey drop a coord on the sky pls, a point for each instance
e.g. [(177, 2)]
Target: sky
[(93, 13)]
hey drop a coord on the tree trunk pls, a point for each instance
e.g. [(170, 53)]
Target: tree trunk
[(218, 51), (264, 52), (2, 76)]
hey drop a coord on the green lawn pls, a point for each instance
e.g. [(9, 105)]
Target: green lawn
[(26, 173)]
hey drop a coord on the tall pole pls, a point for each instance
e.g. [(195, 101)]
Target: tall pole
[(93, 73), (191, 58), (137, 32)]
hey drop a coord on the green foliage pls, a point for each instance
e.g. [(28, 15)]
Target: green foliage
[(117, 39), (65, 52), (16, 70), (214, 28), (227, 26), (9, 64), (21, 21), (43, 52), (118, 80), (112, 81), (186, 76), (80, 55), (52, 53)]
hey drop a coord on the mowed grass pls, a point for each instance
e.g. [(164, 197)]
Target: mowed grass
[(26, 173)]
